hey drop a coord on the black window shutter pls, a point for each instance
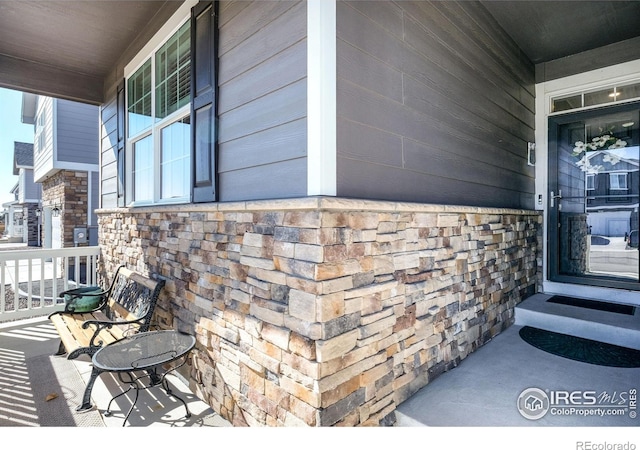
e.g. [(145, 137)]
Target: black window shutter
[(121, 110), (204, 59)]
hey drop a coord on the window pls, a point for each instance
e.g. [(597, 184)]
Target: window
[(618, 181), (597, 97), (38, 140), (591, 182), (159, 124)]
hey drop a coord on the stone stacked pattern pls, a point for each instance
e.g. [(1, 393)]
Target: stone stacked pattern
[(325, 311), (69, 191)]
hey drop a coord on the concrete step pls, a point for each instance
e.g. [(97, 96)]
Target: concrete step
[(609, 327)]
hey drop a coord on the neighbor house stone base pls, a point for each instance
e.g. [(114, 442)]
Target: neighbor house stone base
[(326, 311), (68, 190)]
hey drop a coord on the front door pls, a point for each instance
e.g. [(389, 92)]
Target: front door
[(594, 188)]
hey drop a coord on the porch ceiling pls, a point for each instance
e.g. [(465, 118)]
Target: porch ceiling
[(68, 48), (547, 30)]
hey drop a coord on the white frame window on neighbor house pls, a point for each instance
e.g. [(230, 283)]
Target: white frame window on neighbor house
[(591, 182), (618, 181), (158, 92)]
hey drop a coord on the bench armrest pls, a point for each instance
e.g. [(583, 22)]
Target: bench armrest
[(106, 324)]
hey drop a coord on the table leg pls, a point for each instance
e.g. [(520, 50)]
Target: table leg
[(107, 413), (167, 389), (135, 400)]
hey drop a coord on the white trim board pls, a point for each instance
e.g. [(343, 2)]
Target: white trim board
[(321, 98)]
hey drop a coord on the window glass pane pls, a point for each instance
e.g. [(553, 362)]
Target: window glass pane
[(173, 69), (566, 103), (618, 180), (628, 92), (599, 97), (139, 99), (143, 169), (175, 163)]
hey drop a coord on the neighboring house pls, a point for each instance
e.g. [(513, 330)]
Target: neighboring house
[(344, 198), (65, 164), (13, 219), (22, 219), (612, 194)]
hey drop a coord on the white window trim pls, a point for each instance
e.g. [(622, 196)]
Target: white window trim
[(177, 20), (592, 177), (165, 32)]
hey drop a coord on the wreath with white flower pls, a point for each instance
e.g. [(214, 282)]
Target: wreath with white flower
[(603, 142)]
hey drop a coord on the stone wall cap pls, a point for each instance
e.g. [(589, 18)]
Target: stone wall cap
[(319, 203)]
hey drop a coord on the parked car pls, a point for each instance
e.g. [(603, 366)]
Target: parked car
[(632, 239)]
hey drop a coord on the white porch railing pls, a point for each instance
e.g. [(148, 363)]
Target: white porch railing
[(31, 280)]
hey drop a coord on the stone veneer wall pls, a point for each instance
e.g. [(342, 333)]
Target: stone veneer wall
[(69, 190), (31, 221), (324, 311)]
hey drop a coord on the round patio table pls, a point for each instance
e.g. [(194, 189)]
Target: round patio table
[(144, 360)]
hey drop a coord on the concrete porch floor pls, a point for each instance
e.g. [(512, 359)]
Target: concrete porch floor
[(35, 337), (483, 390)]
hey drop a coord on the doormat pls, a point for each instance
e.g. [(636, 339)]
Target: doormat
[(580, 349), (594, 304)]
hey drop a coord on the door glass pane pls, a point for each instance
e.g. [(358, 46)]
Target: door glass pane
[(598, 162)]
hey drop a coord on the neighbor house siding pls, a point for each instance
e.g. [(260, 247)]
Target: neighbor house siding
[(77, 132), (435, 104), (43, 148), (262, 100), (29, 191)]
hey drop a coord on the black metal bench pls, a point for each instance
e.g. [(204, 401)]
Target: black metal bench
[(125, 308)]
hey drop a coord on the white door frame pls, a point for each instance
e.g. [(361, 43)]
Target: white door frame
[(618, 74)]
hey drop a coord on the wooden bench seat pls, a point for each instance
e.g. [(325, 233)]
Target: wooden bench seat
[(125, 308)]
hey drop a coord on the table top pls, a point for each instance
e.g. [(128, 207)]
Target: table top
[(143, 351)]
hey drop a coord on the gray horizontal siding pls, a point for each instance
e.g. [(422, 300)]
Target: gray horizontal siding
[(29, 190), (94, 181), (108, 167), (435, 104), (77, 132), (43, 157), (262, 100)]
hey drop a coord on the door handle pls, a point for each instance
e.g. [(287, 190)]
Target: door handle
[(554, 197)]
